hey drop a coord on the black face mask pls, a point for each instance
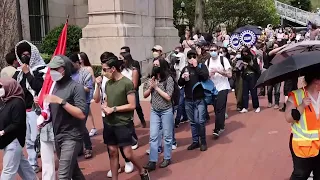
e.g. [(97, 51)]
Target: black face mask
[(73, 70), (156, 70), (177, 60), (25, 59), (246, 58)]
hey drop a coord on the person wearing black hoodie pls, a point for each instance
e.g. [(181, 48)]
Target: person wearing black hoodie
[(191, 75), (68, 107)]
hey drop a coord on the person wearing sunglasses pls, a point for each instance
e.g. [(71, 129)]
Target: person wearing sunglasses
[(194, 99)]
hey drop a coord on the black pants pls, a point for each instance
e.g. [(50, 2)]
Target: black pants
[(302, 167), (138, 108), (220, 110)]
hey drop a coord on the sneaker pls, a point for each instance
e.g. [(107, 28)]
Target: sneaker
[(257, 110), (203, 147), (109, 174), (244, 110), (232, 90), (276, 106), (134, 147), (93, 132), (193, 146), (145, 175), (216, 134), (165, 163), (221, 131), (239, 109), (226, 116), (151, 166), (174, 146), (128, 168), (269, 105)]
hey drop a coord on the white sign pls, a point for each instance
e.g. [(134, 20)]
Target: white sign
[(248, 38), (235, 41)]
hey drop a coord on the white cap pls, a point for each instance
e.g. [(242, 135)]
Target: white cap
[(158, 48)]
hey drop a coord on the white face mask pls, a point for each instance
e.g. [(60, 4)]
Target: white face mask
[(2, 92), (155, 54), (55, 75)]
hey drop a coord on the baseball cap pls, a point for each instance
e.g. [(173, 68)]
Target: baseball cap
[(56, 62), (202, 43), (157, 48), (191, 52)]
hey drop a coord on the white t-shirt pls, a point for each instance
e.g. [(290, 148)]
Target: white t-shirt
[(127, 73), (315, 104), (221, 82)]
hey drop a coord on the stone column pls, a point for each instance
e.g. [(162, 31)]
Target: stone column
[(116, 23), (166, 34)]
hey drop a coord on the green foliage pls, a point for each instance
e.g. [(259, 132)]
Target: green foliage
[(46, 57), (302, 4), (234, 13), (50, 41), (97, 70)]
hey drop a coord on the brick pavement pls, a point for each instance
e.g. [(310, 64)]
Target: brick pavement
[(254, 146)]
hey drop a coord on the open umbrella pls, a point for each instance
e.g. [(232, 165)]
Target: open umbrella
[(293, 66), (255, 29), (296, 48)]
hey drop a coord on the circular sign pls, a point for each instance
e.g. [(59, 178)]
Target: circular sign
[(248, 38), (235, 41)]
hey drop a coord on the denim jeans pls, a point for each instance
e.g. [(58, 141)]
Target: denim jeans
[(181, 111), (138, 108), (47, 159), (67, 152), (276, 90), (31, 135), (14, 162), (85, 136), (249, 83), (196, 111), (162, 118)]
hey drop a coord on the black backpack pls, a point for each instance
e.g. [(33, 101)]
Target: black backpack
[(221, 61), (175, 98)]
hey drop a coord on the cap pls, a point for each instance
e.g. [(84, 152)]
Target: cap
[(56, 62), (157, 48), (202, 43), (191, 52)]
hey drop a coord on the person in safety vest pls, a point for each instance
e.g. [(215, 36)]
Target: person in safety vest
[(303, 114)]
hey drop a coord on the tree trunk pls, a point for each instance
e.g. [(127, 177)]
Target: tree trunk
[(8, 28), (199, 11)]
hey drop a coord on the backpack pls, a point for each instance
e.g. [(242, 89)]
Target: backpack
[(221, 61), (175, 98), (209, 89)]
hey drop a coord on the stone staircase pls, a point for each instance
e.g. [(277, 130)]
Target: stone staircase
[(296, 15)]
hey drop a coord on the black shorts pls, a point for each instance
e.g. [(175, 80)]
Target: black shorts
[(118, 135), (290, 85)]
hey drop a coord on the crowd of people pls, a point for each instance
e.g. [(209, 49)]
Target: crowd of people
[(175, 85)]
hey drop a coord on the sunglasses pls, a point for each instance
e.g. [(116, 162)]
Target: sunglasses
[(192, 56), (213, 50)]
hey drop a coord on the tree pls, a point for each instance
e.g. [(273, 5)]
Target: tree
[(8, 28), (302, 4), (199, 12)]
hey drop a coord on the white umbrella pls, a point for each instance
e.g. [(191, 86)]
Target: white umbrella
[(296, 48)]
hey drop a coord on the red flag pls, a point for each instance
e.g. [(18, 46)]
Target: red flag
[(47, 84)]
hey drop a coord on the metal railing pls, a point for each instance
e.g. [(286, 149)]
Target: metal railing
[(296, 15)]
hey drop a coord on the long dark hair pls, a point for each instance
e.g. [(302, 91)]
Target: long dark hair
[(127, 59), (225, 50), (247, 50), (164, 70), (85, 59)]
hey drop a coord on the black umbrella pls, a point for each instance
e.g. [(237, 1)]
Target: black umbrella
[(294, 66), (255, 29)]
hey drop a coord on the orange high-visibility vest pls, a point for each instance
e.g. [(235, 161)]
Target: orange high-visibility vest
[(305, 140)]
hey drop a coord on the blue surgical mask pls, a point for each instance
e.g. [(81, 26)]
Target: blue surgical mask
[(238, 56), (213, 54)]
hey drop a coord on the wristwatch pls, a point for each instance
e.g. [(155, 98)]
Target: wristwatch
[(63, 102), (114, 109)]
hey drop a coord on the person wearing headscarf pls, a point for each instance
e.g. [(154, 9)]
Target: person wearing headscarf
[(13, 131), (30, 76)]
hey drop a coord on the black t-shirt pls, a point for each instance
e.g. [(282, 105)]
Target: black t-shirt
[(35, 81), (13, 122), (136, 65)]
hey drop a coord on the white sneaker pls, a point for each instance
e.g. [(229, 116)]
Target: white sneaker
[(128, 168), (244, 110), (226, 116), (110, 173), (93, 132), (174, 146), (148, 151), (257, 110), (134, 147)]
